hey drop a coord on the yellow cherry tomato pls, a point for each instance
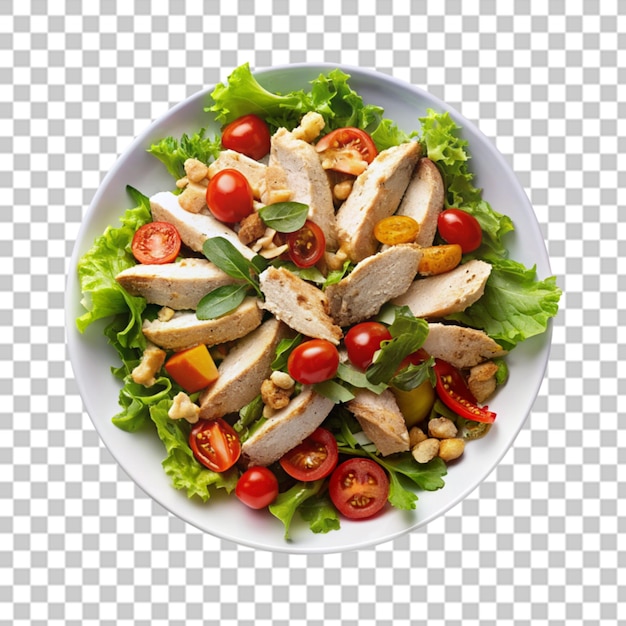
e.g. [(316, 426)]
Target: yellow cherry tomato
[(439, 259), (416, 404), (396, 229)]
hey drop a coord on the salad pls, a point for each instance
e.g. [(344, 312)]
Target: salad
[(317, 312)]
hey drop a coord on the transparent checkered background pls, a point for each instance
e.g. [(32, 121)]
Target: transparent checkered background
[(542, 541)]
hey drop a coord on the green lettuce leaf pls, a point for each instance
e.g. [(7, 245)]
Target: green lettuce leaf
[(320, 513), (287, 503), (174, 152), (98, 267), (515, 306), (180, 465)]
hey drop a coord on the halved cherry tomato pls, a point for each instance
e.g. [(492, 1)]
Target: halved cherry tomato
[(306, 245), (396, 229), (316, 457), (457, 226), (215, 444), (347, 150), (229, 196), (257, 487), (156, 243), (313, 361), (249, 135), (359, 488), (363, 340), (454, 393)]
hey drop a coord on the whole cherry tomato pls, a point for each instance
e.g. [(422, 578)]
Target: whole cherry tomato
[(257, 487), (457, 226), (313, 361), (249, 135), (229, 196), (363, 340)]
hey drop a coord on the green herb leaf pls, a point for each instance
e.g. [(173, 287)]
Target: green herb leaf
[(334, 391), (321, 514), (413, 376), (223, 254), (283, 350), (286, 504), (312, 274), (284, 217), (335, 276), (408, 334), (220, 301), (248, 414), (358, 379)]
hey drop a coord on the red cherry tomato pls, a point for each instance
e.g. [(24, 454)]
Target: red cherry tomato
[(348, 150), (215, 444), (313, 361), (359, 488), (316, 457), (363, 340), (455, 394), (249, 135), (306, 245), (257, 487), (456, 226), (156, 243), (229, 196)]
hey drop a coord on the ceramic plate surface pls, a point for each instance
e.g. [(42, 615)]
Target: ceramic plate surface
[(140, 454)]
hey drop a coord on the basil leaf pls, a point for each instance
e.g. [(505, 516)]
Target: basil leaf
[(283, 350), (413, 376), (333, 391), (220, 301), (334, 276), (408, 334), (358, 379), (223, 254), (312, 274), (284, 217)]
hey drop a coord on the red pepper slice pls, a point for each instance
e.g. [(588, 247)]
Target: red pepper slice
[(454, 393)]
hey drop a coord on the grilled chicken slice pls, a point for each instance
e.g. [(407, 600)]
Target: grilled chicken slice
[(295, 165), (381, 420), (299, 304), (376, 194), (185, 330), (460, 346), (194, 228), (423, 200), (242, 371), (176, 285), (286, 429), (451, 292), (374, 281)]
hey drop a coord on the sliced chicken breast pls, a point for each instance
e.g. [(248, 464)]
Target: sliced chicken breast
[(423, 200), (185, 330), (304, 176), (286, 429), (176, 285), (376, 194), (242, 371), (451, 292), (254, 171), (298, 304), (374, 281), (381, 420), (460, 346), (194, 228)]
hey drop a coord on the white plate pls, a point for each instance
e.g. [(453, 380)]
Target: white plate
[(140, 454)]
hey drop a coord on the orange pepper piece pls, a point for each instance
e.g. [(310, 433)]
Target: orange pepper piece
[(193, 369)]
